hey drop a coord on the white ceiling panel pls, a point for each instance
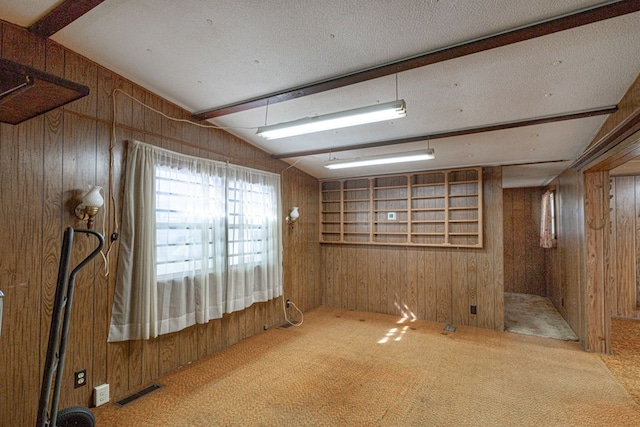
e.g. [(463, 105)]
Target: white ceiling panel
[(203, 54)]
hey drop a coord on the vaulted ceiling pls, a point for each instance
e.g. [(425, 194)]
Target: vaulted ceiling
[(519, 83)]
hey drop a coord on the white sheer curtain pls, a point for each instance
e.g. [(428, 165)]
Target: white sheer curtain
[(254, 262), (198, 238), (547, 226)]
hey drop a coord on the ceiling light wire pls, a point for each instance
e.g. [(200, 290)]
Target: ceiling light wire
[(209, 126)]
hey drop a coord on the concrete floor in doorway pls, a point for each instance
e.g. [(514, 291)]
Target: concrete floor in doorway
[(535, 315)]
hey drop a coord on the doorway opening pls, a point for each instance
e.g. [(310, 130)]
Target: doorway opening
[(528, 308)]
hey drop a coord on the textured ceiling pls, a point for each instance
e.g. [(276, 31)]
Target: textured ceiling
[(203, 54)]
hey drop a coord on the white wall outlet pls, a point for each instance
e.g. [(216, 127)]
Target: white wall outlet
[(101, 394)]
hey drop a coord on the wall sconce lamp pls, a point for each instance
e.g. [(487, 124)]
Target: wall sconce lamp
[(91, 203), (293, 216)]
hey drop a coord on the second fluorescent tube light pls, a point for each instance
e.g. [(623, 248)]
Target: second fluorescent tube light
[(357, 116), (383, 159)]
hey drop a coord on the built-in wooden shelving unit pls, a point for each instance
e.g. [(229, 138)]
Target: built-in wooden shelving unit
[(440, 208)]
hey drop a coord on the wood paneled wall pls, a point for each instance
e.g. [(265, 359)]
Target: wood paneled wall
[(629, 103), (600, 264), (438, 284), (564, 264), (46, 164), (524, 264), (624, 235), (580, 271)]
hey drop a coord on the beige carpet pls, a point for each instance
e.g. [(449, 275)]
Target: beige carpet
[(345, 368), (535, 315), (624, 361)]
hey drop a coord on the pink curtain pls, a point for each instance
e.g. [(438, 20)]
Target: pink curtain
[(546, 232)]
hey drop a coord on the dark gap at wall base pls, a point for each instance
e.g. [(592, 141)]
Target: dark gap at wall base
[(135, 396)]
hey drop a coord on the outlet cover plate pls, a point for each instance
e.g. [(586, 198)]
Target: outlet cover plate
[(80, 378), (101, 394)]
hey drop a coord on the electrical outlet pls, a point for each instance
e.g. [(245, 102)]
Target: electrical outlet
[(101, 394), (80, 378), (474, 309), (288, 303)]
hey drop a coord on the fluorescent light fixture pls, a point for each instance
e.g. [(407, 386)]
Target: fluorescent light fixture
[(410, 156), (357, 116)]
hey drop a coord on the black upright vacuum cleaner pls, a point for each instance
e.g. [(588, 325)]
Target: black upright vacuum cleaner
[(48, 415)]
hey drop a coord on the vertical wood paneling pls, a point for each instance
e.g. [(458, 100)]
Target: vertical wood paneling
[(53, 207), (430, 283), (564, 264), (362, 282), (495, 233), (582, 281), (625, 261), (611, 254), (509, 241), (386, 276), (624, 241), (21, 181), (373, 258), (637, 246), (397, 302), (347, 277), (459, 287), (415, 278), (98, 367), (596, 217), (443, 290), (125, 367), (79, 171), (519, 237), (351, 281), (472, 279), (168, 357), (22, 192), (46, 164), (328, 277), (524, 259)]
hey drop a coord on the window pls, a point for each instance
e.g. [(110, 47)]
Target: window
[(181, 239), (247, 204), (552, 211), (199, 239), (548, 220)]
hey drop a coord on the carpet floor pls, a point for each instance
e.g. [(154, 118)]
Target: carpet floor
[(347, 368), (624, 361)]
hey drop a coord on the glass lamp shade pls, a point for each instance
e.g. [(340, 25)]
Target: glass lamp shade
[(93, 198), (294, 214)]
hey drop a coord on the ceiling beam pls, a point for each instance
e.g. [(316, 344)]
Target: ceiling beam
[(527, 32), (459, 132), (61, 16)]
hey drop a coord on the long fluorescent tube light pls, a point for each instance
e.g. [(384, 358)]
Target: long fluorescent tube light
[(357, 116), (410, 156)]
